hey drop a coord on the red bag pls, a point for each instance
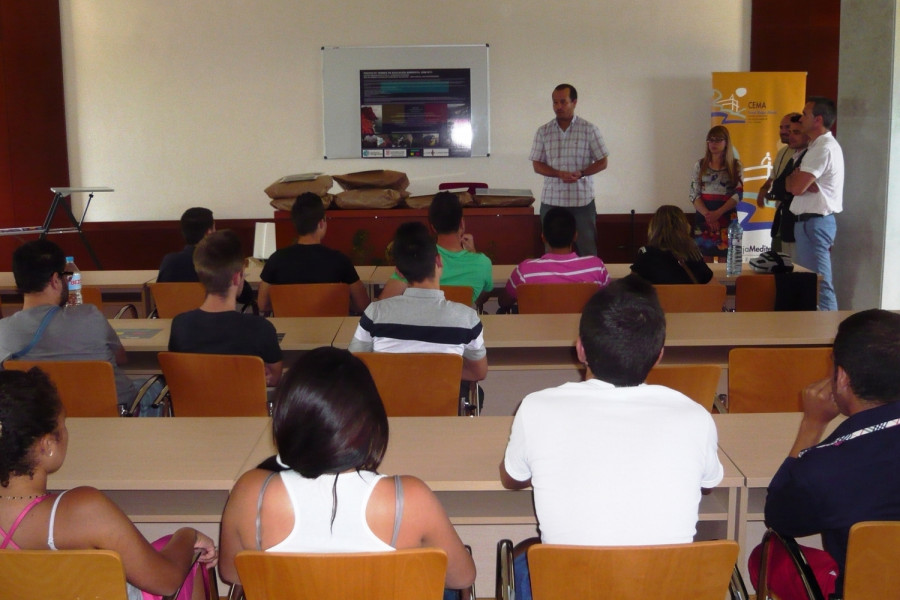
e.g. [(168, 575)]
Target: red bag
[(784, 579)]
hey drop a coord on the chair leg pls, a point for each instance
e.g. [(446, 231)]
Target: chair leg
[(506, 581)]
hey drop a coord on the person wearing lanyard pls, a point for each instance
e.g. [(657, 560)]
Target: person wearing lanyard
[(818, 187), (826, 486)]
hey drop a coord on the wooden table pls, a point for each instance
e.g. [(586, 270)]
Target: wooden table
[(501, 273), (458, 458), (144, 338), (160, 470)]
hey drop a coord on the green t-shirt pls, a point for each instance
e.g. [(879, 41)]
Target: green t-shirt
[(465, 268)]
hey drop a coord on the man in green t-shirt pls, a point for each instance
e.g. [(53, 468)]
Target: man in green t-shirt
[(462, 264)]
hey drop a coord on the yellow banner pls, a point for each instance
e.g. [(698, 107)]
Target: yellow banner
[(751, 105)]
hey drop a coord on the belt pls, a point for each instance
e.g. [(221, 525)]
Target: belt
[(808, 216)]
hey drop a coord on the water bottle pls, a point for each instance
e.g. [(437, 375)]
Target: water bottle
[(735, 258), (74, 282)]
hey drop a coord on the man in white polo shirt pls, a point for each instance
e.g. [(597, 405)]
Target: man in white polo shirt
[(818, 189), (598, 452)]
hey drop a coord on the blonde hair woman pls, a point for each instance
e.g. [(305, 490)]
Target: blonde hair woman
[(717, 186), (671, 255)]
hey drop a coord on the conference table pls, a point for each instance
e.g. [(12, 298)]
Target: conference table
[(166, 473), (500, 273)]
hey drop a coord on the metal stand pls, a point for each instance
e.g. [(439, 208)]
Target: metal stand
[(59, 199)]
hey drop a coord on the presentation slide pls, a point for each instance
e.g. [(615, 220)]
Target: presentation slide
[(415, 113)]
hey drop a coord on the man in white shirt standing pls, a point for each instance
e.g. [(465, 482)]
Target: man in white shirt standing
[(818, 188), (597, 453), (567, 151)]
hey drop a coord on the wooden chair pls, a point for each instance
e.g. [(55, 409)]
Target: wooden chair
[(416, 384), (310, 300), (458, 293), (754, 293), (69, 574), (554, 298), (689, 297), (700, 383), (873, 552), (172, 299), (87, 388), (215, 385), (400, 575), (93, 295), (772, 379), (700, 571)]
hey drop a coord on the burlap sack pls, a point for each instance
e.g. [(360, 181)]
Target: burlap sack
[(288, 203), (291, 189), (368, 199), (504, 200), (465, 199), (380, 179)]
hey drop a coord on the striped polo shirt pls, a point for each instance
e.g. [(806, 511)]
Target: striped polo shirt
[(558, 268)]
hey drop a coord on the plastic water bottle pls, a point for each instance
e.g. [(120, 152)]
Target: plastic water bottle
[(735, 248), (74, 282)]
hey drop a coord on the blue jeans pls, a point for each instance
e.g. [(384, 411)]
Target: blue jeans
[(815, 237), (585, 226), (522, 577)]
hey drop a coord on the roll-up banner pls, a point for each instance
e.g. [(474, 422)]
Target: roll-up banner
[(751, 105)]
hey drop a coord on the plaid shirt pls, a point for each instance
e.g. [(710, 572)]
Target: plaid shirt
[(574, 149)]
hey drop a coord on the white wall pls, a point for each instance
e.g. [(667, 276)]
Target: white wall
[(177, 103)]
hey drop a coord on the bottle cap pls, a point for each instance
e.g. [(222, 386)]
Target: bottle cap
[(70, 259)]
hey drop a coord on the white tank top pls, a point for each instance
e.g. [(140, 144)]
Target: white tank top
[(312, 502)]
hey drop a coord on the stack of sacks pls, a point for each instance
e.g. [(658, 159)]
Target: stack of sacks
[(371, 189), (284, 191)]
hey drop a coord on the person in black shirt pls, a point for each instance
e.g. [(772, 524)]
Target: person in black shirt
[(671, 254)]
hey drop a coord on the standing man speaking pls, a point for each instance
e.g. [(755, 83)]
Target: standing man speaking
[(567, 151)]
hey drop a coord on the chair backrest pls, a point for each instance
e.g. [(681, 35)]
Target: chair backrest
[(416, 384), (400, 575), (95, 574), (458, 293), (873, 552), (310, 300), (754, 293), (691, 297), (92, 295), (87, 388), (215, 385), (554, 298), (700, 571), (172, 299), (700, 383), (772, 379)]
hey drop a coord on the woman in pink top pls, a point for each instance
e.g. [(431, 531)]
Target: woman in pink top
[(33, 444)]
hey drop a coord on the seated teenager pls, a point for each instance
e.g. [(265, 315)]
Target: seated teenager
[(671, 254), (597, 452), (216, 327), (462, 265), (309, 260), (196, 223), (561, 264), (421, 319), (33, 443), (322, 492)]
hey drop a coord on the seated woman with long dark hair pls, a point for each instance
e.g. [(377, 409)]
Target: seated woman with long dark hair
[(33, 444), (322, 492), (671, 254)]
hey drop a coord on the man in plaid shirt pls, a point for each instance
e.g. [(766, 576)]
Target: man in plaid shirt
[(567, 151)]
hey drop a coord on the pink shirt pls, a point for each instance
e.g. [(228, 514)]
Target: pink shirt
[(558, 268)]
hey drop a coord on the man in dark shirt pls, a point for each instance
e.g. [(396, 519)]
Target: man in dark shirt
[(196, 223), (850, 476), (216, 327), (308, 261)]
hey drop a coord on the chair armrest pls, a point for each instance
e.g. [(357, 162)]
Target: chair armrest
[(506, 581)]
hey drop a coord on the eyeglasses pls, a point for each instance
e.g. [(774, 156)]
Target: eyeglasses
[(714, 140)]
